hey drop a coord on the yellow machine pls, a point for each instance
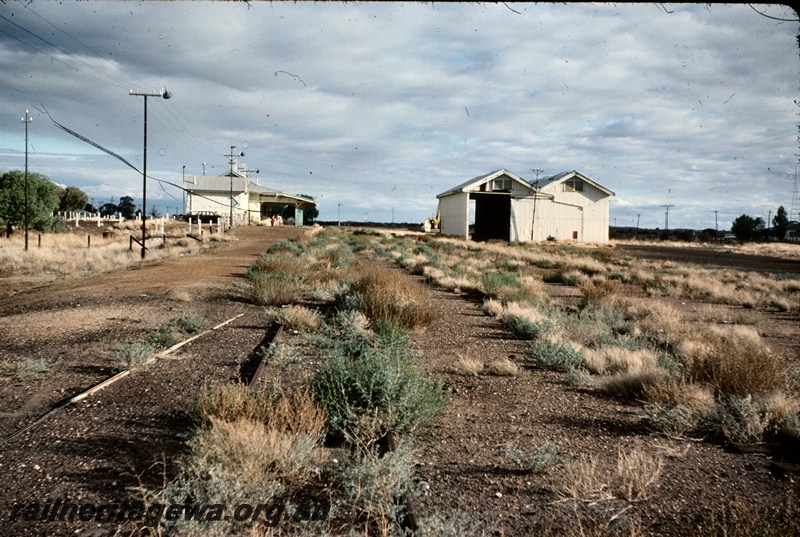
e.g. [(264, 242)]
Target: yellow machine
[(432, 222)]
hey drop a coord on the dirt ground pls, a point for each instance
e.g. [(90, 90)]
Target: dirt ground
[(90, 451)]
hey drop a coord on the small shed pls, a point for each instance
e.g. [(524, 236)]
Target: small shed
[(565, 206)]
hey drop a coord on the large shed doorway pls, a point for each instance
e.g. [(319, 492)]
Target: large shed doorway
[(492, 216)]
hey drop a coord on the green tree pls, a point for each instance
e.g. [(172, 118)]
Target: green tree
[(127, 207), (108, 209), (780, 223), (311, 213), (42, 201), (73, 199), (746, 227)]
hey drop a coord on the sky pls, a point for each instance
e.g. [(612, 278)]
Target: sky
[(375, 108)]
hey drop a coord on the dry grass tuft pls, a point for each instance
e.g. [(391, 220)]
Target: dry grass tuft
[(637, 474), (611, 360), (733, 359), (247, 451), (599, 288), (493, 307), (632, 384), (467, 366), (503, 368), (298, 318), (296, 412), (389, 295)]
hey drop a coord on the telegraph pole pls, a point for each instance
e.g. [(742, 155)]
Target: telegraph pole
[(666, 219), (339, 209), (232, 160), (26, 120), (537, 171)]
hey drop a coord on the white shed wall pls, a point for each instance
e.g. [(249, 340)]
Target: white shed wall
[(454, 215)]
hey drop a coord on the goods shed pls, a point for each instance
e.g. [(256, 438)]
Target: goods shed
[(565, 206)]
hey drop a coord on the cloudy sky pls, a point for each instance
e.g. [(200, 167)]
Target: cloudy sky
[(374, 108)]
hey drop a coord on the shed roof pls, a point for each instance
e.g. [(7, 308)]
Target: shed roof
[(541, 184), (547, 182), (476, 181)]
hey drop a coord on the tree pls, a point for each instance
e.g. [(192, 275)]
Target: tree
[(108, 209), (780, 223), (127, 207), (73, 199), (746, 228), (310, 213), (42, 201), (154, 212)]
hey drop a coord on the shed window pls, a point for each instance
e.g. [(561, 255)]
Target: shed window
[(501, 184), (573, 185)]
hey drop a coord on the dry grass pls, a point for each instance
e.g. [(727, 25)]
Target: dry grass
[(581, 480), (467, 366), (503, 367), (637, 474), (298, 318), (493, 307), (733, 359), (248, 451), (291, 412), (599, 288), (612, 360), (273, 290), (389, 295), (632, 384), (67, 254)]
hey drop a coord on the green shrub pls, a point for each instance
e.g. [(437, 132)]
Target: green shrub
[(528, 329), (498, 284), (553, 355), (381, 390), (26, 368), (189, 324), (538, 459), (373, 483), (135, 354)]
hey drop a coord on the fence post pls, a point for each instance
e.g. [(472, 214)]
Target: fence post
[(130, 247), (88, 241), (40, 240)]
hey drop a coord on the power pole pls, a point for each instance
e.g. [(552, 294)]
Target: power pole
[(537, 171), (795, 211), (26, 120), (666, 219), (339, 209), (232, 161), (716, 222)]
